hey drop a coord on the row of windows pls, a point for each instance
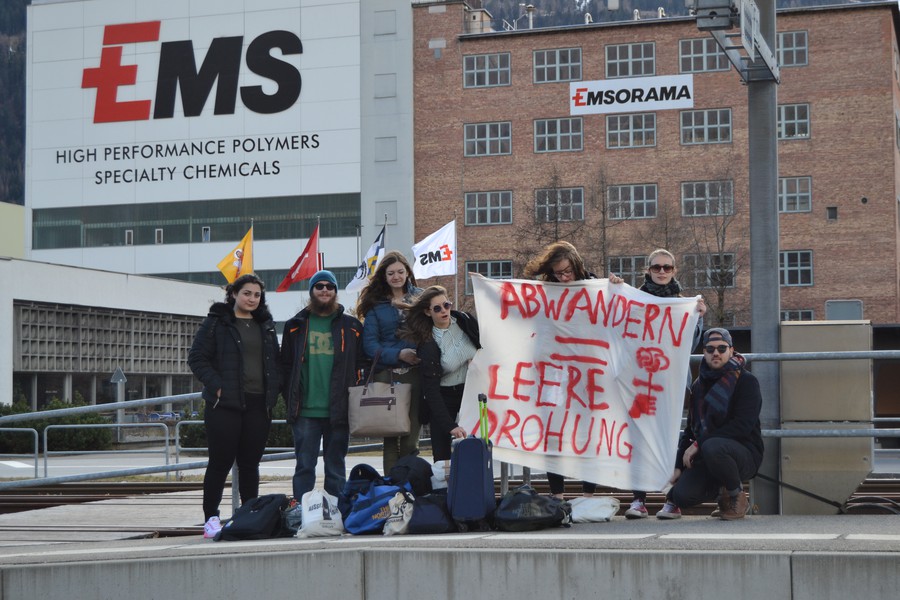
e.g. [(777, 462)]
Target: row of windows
[(566, 134), (288, 217), (697, 271), (622, 60), (630, 201)]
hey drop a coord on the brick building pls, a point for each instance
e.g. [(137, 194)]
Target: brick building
[(496, 146)]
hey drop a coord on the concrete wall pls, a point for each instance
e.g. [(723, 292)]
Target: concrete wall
[(400, 574), (12, 230)]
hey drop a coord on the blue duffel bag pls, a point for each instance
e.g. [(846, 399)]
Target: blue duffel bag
[(370, 509)]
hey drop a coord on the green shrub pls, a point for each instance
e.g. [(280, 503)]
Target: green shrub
[(60, 439)]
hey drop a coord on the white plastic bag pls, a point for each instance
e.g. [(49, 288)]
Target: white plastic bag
[(594, 509), (321, 516), (440, 474), (401, 506)]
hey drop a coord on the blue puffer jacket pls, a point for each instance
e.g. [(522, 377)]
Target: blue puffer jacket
[(380, 333), (217, 361)]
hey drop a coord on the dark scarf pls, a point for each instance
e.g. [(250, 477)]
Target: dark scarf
[(672, 289), (721, 384)]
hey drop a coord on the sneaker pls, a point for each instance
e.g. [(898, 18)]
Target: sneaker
[(212, 527), (637, 510), (669, 511), (737, 508)]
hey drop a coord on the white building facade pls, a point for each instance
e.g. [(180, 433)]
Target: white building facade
[(159, 130)]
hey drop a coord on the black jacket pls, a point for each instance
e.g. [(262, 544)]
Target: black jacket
[(346, 333), (217, 361), (741, 423), (430, 354)]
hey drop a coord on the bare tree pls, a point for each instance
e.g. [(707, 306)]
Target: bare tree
[(715, 218)]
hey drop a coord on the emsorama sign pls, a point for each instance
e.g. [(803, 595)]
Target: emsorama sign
[(636, 94), (149, 100)]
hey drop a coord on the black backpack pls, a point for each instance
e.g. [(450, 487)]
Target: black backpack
[(415, 470), (523, 509), (257, 519)]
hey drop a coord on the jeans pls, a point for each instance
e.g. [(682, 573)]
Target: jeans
[(335, 440), (722, 463), (233, 436)]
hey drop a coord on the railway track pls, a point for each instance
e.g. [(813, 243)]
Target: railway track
[(874, 495)]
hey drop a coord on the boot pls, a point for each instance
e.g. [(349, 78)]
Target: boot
[(737, 507)]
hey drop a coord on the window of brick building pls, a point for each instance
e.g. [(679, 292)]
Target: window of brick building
[(631, 131), (559, 204), (629, 268), (489, 208), (793, 121), (492, 269), (796, 267), (706, 126), (699, 271), (631, 60), (701, 56), (794, 194), (558, 135), (486, 139), (486, 70), (704, 198), (637, 201), (561, 64), (792, 49), (800, 314)]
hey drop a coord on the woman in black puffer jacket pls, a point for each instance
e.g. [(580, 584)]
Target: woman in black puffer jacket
[(235, 355)]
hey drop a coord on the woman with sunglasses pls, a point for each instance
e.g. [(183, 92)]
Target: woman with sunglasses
[(560, 262), (378, 307), (446, 340), (659, 280)]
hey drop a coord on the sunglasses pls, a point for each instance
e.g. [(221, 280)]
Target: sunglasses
[(325, 286), (564, 273), (437, 308), (721, 349), (658, 268)]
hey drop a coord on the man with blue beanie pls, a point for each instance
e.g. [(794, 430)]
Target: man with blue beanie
[(321, 354)]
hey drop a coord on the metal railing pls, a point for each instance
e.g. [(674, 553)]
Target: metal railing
[(183, 398)]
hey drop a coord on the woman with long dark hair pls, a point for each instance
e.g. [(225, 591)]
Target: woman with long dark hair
[(446, 340), (391, 284), (235, 355)]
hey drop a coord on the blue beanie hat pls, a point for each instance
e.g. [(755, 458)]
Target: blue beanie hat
[(322, 275)]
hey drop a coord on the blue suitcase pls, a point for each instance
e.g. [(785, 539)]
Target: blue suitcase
[(470, 490)]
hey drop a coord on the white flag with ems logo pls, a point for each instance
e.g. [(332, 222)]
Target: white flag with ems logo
[(436, 254)]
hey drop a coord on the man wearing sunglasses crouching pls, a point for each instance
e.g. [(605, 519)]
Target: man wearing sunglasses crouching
[(321, 355), (721, 446)]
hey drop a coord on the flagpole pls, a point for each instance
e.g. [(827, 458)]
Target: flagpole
[(252, 241), (456, 258)]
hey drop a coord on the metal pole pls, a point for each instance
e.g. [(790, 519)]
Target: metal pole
[(765, 302)]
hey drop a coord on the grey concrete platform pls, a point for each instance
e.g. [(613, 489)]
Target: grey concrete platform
[(82, 552)]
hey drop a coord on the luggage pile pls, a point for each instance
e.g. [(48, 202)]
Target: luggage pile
[(415, 498)]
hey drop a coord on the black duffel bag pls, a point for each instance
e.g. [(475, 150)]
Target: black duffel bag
[(523, 509)]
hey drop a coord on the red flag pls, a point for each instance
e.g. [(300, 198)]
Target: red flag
[(306, 266)]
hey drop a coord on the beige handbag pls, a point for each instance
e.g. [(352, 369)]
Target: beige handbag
[(379, 409)]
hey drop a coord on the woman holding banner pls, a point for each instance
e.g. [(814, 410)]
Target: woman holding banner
[(659, 280), (560, 262), (378, 307), (446, 340)]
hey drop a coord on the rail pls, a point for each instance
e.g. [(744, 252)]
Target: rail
[(182, 398)]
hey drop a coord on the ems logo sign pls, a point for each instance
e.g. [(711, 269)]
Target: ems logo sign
[(639, 94)]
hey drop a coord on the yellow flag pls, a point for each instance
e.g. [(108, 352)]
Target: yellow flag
[(240, 260)]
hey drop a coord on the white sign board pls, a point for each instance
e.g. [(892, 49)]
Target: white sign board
[(143, 101), (584, 379), (749, 27), (636, 94)]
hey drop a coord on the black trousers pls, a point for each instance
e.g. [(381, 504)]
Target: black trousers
[(440, 438), (722, 463), (234, 436)]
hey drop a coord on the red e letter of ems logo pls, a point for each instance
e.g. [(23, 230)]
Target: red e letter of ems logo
[(578, 98), (112, 73)]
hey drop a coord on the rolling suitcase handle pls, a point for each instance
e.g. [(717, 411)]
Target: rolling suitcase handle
[(484, 430)]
